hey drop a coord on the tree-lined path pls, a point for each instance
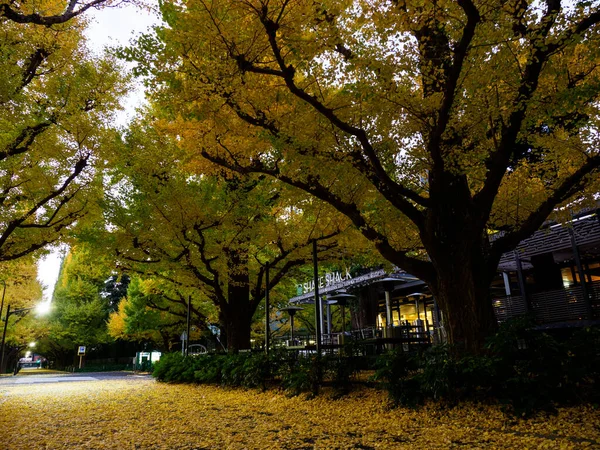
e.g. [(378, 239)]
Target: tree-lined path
[(35, 376), (138, 413)]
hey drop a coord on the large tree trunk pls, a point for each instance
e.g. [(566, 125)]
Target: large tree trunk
[(457, 245), (237, 330), (462, 293), (237, 314)]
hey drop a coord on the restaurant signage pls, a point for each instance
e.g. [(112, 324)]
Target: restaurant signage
[(330, 279)]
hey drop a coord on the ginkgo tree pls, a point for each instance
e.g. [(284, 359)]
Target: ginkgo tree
[(419, 121), (47, 13), (214, 234), (155, 311), (22, 291), (56, 103)]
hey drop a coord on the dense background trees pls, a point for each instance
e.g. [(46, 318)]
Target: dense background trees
[(20, 289), (81, 304), (418, 121)]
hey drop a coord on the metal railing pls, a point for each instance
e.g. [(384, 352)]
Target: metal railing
[(402, 334)]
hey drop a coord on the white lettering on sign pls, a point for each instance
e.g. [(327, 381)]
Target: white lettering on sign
[(329, 279)]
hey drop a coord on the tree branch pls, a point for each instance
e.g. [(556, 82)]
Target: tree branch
[(35, 18), (418, 267), (569, 187)]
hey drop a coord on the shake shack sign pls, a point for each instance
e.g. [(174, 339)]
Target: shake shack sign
[(328, 280)]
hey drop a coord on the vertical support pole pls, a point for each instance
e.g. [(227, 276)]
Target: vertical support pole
[(323, 315), (437, 326), (328, 311), (3, 339), (506, 283), (399, 312), (418, 307), (2, 303), (388, 309), (317, 299), (522, 287), (189, 310), (267, 309), (584, 291)]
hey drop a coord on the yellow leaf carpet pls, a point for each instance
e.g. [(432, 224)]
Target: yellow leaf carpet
[(144, 414)]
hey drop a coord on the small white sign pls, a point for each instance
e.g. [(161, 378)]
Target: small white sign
[(81, 350)]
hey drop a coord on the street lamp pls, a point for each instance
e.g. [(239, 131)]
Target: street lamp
[(291, 310), (341, 299)]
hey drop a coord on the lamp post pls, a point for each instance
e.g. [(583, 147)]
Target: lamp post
[(318, 305), (341, 299), (8, 313), (267, 309), (291, 310), (3, 292)]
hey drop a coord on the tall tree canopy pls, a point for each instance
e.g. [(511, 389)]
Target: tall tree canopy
[(215, 235), (416, 120), (56, 103)]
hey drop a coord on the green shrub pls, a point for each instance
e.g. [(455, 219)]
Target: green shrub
[(583, 364), (524, 369), (232, 369), (393, 370), (209, 369), (256, 371), (339, 371), (172, 367), (438, 377), (302, 374), (529, 368)]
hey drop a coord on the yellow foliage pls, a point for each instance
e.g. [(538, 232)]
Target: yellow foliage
[(142, 414), (116, 321)]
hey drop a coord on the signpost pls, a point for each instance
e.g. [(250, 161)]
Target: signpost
[(184, 338), (81, 354)]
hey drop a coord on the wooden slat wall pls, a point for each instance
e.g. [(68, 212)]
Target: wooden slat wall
[(507, 307), (561, 305)]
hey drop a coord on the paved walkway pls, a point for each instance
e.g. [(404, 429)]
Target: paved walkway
[(36, 376)]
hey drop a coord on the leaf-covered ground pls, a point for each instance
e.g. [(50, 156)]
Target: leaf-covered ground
[(143, 414)]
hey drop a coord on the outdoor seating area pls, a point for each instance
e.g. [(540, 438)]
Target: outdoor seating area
[(369, 340)]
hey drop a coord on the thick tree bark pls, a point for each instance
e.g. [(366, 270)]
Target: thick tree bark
[(457, 245), (237, 314), (462, 293), (237, 330)]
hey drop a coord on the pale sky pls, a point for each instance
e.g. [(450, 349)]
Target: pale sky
[(108, 27)]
